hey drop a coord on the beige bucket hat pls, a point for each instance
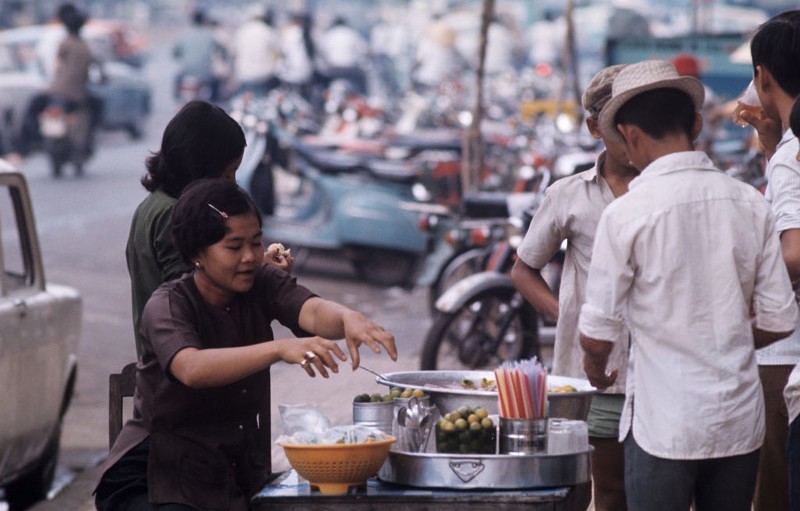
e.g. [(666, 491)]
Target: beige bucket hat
[(642, 77)]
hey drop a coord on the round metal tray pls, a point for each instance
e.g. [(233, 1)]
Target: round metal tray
[(445, 392), (497, 472)]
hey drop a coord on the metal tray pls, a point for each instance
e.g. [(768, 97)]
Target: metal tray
[(443, 388), (496, 472)]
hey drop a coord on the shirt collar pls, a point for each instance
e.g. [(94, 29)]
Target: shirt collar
[(674, 162), (592, 174), (788, 135)]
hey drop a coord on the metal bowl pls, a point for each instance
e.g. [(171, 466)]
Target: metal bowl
[(447, 393)]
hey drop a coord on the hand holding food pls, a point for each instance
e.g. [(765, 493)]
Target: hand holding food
[(279, 256)]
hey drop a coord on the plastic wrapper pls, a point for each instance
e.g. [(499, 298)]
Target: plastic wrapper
[(304, 424)]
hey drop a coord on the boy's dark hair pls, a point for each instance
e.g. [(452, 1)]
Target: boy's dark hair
[(776, 47), (659, 112), (199, 142), (198, 218), (794, 118), (72, 18)]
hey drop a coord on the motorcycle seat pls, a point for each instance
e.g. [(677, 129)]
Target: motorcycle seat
[(392, 170), (330, 161), (422, 142), (485, 205)]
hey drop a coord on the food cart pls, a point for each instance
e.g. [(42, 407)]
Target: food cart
[(434, 480)]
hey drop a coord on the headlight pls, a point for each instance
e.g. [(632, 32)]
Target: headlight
[(421, 193)]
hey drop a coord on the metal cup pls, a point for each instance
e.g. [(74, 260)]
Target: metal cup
[(377, 415), (523, 436)]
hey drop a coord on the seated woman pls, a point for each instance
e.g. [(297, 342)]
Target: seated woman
[(195, 441)]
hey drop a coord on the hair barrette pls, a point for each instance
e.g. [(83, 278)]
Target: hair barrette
[(223, 214)]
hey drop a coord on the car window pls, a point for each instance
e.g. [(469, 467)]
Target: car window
[(15, 258)]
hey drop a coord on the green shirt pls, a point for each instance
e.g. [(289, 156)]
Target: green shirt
[(151, 256)]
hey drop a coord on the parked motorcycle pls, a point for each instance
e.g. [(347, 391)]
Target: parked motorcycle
[(66, 132), (483, 320)]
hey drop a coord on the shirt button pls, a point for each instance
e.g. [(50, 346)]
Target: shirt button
[(244, 391), (241, 428)]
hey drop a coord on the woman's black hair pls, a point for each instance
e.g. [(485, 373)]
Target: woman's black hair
[(199, 142), (659, 112), (198, 218)]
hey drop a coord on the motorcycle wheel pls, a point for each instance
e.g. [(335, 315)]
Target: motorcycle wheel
[(59, 151), (457, 268), (385, 267), (493, 326)]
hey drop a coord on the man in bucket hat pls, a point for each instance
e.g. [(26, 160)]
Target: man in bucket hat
[(570, 211), (689, 261)]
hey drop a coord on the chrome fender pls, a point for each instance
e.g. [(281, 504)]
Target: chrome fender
[(461, 292)]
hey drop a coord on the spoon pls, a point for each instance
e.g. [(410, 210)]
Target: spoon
[(367, 369)]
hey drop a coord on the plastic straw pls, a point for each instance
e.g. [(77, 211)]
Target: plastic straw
[(522, 389)]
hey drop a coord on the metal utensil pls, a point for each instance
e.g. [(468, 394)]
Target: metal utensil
[(367, 369)]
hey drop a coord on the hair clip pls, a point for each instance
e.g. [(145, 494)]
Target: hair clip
[(223, 214)]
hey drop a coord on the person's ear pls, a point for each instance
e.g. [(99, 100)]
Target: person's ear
[(763, 76), (631, 137), (697, 127), (593, 127), (630, 134)]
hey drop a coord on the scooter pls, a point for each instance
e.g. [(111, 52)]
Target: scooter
[(363, 207), (66, 135)]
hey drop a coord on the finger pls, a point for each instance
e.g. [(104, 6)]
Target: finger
[(328, 360), (338, 352), (354, 356), (308, 368), (320, 365)]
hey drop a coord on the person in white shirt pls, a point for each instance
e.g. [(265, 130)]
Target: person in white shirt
[(256, 52), (342, 53), (296, 67), (689, 262), (776, 78), (436, 58), (570, 211)]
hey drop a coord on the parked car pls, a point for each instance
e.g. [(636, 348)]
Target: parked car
[(40, 324), (126, 95), (17, 88)]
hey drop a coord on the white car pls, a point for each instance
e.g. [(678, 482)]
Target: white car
[(39, 334)]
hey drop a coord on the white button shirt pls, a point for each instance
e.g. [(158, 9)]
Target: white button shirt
[(570, 211), (681, 259), (783, 194)]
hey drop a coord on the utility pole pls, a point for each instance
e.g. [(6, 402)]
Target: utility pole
[(472, 153)]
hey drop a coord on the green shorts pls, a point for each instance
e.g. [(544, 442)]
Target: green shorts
[(604, 415)]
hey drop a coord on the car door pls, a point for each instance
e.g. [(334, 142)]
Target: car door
[(38, 334)]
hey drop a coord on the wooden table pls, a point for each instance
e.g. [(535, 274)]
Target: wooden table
[(289, 492)]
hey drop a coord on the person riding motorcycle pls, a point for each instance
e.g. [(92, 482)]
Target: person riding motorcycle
[(197, 50), (69, 88)]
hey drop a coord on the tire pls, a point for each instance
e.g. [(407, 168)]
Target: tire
[(385, 267), (34, 485), (466, 338), (457, 268)]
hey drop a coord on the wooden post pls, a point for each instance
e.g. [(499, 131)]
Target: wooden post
[(472, 154)]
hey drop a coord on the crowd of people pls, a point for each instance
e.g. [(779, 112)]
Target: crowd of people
[(261, 53), (677, 299)]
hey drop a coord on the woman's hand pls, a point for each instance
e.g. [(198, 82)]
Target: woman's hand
[(313, 353), (276, 255), (358, 330)]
